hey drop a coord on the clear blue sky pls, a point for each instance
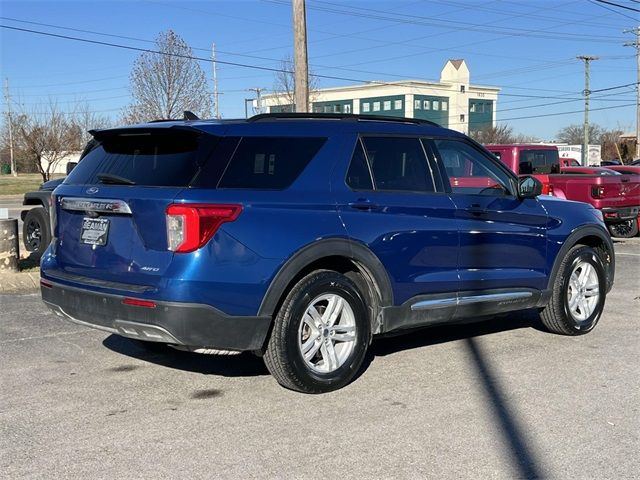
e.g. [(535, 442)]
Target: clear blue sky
[(528, 48)]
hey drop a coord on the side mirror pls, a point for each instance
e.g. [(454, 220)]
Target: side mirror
[(529, 187), (71, 166)]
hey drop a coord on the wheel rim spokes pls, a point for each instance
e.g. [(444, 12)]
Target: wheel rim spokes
[(327, 333), (583, 291)]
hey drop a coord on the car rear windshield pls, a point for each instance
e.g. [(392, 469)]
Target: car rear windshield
[(167, 158), (539, 161)]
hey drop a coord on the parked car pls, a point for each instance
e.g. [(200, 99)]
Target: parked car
[(616, 196), (568, 162), (36, 226), (628, 228), (300, 237)]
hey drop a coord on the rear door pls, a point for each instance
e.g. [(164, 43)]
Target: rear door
[(111, 208), (393, 201), (502, 237)]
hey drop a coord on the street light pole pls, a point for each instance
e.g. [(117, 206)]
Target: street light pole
[(301, 66), (637, 45), (585, 138)]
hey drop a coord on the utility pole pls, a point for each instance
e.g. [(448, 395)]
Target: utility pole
[(214, 65), (637, 45), (585, 139), (7, 101), (258, 91), (301, 66)]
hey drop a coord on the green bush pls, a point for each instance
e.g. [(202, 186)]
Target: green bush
[(5, 169)]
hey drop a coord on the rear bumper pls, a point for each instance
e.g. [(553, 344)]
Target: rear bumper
[(193, 325), (620, 214)]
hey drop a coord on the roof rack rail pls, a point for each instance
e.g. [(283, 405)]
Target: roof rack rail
[(337, 116)]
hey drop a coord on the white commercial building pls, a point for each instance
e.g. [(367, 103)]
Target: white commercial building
[(452, 102)]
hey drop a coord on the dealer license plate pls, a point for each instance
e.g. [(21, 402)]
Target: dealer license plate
[(94, 231)]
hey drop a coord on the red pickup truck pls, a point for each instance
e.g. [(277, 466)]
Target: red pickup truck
[(616, 196)]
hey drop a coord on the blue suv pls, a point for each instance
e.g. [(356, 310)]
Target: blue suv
[(301, 237)]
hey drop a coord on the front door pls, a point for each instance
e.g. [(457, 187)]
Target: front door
[(502, 237)]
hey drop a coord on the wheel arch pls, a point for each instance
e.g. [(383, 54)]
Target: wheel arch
[(341, 255), (591, 236)]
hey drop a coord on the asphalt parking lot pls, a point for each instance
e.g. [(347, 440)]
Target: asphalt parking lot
[(500, 399)]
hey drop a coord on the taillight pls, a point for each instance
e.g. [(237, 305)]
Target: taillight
[(52, 214), (597, 192), (190, 226)]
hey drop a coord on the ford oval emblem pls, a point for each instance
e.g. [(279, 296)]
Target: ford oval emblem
[(92, 190)]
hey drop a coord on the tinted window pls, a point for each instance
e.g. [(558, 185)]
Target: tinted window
[(398, 164), (269, 162), (471, 171), (166, 159), (358, 176), (539, 161)]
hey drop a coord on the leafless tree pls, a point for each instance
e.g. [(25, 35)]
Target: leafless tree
[(165, 84), (494, 135), (284, 84), (45, 137), (84, 119), (573, 134)]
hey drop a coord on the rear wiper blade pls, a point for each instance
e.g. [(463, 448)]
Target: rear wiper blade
[(114, 179)]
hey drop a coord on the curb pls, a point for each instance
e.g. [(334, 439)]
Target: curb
[(27, 282)]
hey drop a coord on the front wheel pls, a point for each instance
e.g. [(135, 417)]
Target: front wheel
[(626, 229), (579, 292), (320, 334)]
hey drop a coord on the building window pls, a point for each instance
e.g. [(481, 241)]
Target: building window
[(436, 105), (397, 105), (376, 106), (426, 105), (444, 106), (386, 105), (462, 89), (462, 118), (317, 109), (365, 107), (327, 109), (416, 104), (347, 108), (472, 108), (337, 108)]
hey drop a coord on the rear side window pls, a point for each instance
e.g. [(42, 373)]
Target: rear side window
[(167, 159), (539, 161), (270, 163), (399, 164)]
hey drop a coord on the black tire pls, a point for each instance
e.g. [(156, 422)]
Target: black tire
[(557, 315), (284, 357), (36, 232), (627, 229)]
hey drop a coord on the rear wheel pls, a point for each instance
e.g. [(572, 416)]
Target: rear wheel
[(320, 334), (626, 229), (36, 233), (579, 292)]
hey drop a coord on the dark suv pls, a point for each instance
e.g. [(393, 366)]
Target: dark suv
[(300, 237)]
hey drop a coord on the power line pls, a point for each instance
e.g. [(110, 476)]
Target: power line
[(203, 59), (618, 5), (426, 21)]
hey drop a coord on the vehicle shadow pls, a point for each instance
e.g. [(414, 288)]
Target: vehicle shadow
[(243, 365), (247, 364)]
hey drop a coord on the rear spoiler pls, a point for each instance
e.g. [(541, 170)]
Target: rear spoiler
[(100, 135)]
